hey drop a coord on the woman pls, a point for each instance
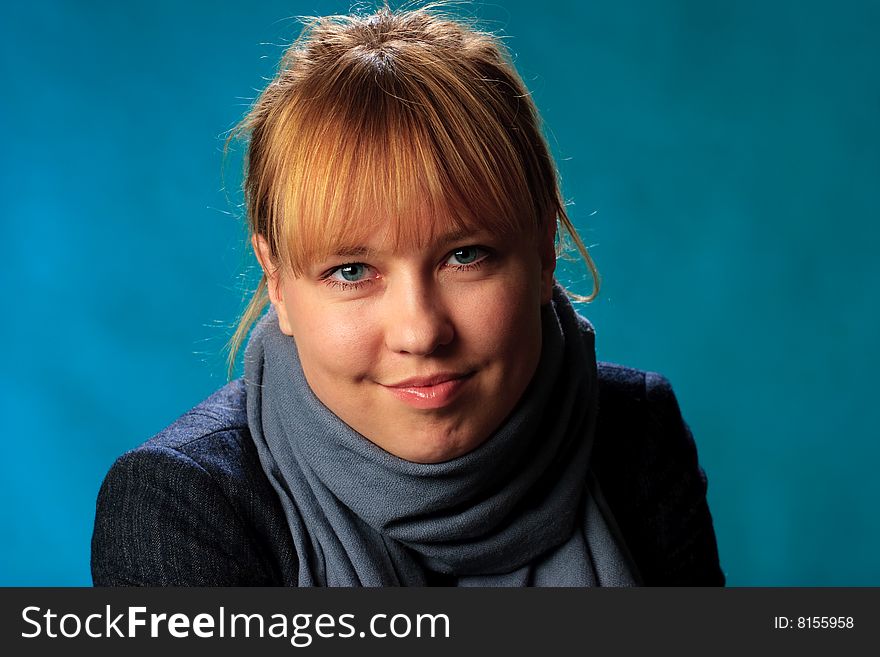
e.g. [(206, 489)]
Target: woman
[(421, 404)]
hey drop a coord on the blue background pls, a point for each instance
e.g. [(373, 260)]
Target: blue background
[(723, 159)]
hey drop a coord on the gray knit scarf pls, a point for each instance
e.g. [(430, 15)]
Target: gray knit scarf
[(516, 511)]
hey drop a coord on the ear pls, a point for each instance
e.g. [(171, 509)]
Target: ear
[(274, 281), (547, 240)]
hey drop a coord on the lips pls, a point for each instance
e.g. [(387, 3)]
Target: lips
[(430, 392), (428, 381)]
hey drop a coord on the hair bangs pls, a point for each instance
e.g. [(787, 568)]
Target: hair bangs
[(375, 161)]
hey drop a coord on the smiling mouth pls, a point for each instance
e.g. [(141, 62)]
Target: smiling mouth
[(431, 392)]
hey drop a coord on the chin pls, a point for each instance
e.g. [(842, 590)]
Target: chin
[(436, 449)]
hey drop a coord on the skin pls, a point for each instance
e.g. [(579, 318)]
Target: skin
[(370, 317)]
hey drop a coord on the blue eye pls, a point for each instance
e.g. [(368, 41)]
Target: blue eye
[(351, 273), (467, 255), (350, 276)]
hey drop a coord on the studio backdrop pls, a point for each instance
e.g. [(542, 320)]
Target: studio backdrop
[(722, 160)]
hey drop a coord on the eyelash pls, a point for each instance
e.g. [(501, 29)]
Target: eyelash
[(328, 279), (345, 285)]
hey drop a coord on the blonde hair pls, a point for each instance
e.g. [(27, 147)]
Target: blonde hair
[(401, 120)]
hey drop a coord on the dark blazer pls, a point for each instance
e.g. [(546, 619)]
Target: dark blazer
[(192, 505)]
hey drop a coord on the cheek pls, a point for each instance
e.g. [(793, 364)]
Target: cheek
[(505, 322), (333, 342)]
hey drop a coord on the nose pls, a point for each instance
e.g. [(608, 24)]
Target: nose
[(417, 320)]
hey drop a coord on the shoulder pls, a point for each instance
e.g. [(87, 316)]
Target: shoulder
[(622, 384), (191, 506), (638, 410), (646, 462), (211, 439)]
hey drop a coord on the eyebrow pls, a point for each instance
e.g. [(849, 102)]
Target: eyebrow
[(353, 252), (449, 238)]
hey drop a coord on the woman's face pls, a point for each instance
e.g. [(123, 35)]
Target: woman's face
[(424, 350)]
